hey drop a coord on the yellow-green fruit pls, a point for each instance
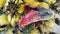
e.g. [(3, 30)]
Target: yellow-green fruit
[(50, 23), (35, 31), (18, 1), (32, 2), (11, 31), (9, 17), (21, 9), (2, 3), (45, 29), (44, 5), (50, 1), (3, 21), (15, 19)]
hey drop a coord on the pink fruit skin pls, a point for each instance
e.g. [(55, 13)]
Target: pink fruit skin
[(28, 19), (34, 14)]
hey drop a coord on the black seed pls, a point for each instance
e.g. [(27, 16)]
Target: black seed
[(14, 31), (16, 26), (3, 26), (39, 29), (57, 21), (52, 6)]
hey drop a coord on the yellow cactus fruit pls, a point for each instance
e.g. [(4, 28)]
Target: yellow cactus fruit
[(2, 3), (35, 31), (21, 9), (18, 1), (50, 23), (15, 20), (9, 17), (50, 1), (3, 22), (32, 2), (44, 5)]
